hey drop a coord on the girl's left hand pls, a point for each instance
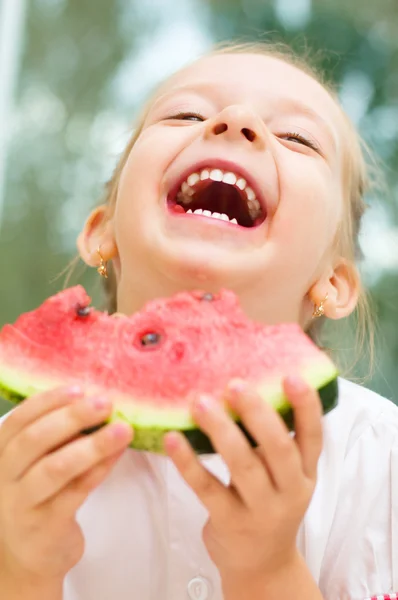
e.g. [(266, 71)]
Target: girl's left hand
[(253, 522)]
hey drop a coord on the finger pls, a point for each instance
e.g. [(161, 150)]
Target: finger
[(277, 449), (307, 423), (247, 471), (71, 498), (35, 407), (52, 431), (218, 499), (57, 470)]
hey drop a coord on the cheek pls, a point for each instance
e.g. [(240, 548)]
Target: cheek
[(142, 165), (310, 194), (309, 209), (149, 158), (140, 187), (140, 179)]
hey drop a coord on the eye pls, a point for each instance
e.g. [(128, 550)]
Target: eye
[(188, 116), (150, 339), (293, 136)]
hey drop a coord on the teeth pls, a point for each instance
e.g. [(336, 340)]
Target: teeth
[(183, 199), (241, 183), (215, 215), (186, 189), (229, 178), (250, 194), (256, 204), (185, 195), (216, 175), (193, 179)]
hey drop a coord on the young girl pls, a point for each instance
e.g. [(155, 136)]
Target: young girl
[(307, 517)]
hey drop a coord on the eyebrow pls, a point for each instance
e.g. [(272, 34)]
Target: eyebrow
[(198, 87), (286, 106)]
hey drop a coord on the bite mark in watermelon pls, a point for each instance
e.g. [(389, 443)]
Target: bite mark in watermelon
[(152, 363)]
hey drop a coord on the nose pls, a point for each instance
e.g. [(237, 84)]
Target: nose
[(237, 124)]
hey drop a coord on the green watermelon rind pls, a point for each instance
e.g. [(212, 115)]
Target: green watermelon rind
[(151, 422), (327, 393)]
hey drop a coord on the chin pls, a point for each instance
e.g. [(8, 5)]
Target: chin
[(194, 264)]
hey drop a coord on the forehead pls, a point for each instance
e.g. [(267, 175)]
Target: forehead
[(256, 79)]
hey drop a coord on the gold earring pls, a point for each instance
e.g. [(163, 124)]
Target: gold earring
[(102, 270), (319, 311)]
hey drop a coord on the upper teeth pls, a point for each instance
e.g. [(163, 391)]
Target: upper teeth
[(187, 189)]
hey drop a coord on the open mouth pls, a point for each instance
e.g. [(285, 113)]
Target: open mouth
[(218, 194)]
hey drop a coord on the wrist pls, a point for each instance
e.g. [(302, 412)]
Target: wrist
[(285, 581)]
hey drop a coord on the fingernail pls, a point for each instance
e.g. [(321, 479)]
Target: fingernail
[(118, 430), (296, 384), (204, 403), (237, 386), (171, 441), (74, 391), (100, 402)]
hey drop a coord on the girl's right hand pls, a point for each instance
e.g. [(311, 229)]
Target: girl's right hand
[(47, 470)]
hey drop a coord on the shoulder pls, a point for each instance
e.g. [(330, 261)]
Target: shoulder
[(359, 412), (364, 398)]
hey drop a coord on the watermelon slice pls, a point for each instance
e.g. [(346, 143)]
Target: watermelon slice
[(153, 362)]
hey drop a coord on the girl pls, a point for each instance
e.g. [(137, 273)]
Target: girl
[(308, 517)]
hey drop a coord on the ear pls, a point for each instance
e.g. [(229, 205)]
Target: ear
[(342, 288), (97, 233)]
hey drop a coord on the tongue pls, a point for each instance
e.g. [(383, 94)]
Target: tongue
[(176, 208)]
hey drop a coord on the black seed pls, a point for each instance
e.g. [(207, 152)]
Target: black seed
[(207, 297), (150, 339), (83, 311)]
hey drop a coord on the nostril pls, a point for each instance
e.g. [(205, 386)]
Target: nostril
[(220, 128), (249, 134)]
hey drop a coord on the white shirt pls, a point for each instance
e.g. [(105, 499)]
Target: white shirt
[(143, 525)]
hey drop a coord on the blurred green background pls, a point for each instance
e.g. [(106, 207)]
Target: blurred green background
[(73, 75)]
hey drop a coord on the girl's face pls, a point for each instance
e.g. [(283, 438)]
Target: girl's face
[(266, 122)]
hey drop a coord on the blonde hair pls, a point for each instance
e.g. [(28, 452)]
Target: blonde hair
[(355, 178)]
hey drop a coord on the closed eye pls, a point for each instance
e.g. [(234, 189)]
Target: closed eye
[(299, 139), (187, 116)]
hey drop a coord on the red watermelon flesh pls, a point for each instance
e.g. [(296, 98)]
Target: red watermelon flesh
[(153, 362)]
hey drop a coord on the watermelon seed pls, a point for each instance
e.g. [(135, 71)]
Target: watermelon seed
[(150, 339), (83, 311), (208, 297)]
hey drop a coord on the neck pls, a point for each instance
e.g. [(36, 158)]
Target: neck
[(271, 308)]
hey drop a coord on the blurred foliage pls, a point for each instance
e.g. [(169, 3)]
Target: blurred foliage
[(72, 52), (69, 119)]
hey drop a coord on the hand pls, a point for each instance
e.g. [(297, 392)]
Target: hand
[(253, 522), (47, 470)]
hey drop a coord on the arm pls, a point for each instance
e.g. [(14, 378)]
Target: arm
[(295, 581)]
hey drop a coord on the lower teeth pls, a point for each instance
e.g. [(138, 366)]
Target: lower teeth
[(207, 213)]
